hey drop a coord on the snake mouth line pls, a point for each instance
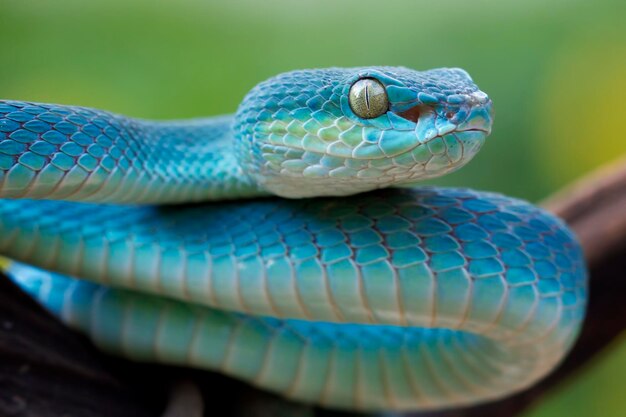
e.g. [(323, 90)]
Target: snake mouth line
[(413, 114), (352, 156), (473, 129)]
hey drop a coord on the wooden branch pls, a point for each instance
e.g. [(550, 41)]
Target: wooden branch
[(595, 207), (48, 370), (185, 400)]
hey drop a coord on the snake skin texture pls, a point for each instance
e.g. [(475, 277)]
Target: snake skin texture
[(471, 295), (73, 153), (320, 147), (396, 299), (294, 136)]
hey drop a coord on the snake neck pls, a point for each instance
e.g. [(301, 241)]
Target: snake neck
[(201, 162), (56, 152)]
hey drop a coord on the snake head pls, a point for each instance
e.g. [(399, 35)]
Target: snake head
[(341, 131)]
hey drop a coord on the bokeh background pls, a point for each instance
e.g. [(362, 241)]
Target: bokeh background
[(556, 71)]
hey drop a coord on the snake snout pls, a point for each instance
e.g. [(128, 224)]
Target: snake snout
[(479, 118)]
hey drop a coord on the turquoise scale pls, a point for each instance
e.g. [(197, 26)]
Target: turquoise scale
[(396, 299), (460, 295)]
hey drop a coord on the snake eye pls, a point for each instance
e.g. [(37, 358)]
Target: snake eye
[(368, 98)]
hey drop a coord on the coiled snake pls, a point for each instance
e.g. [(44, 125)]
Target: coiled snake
[(402, 298)]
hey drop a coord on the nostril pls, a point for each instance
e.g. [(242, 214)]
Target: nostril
[(412, 114)]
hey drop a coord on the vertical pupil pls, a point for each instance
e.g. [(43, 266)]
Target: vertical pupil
[(368, 98)]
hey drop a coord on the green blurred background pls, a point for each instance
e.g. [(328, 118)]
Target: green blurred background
[(556, 71)]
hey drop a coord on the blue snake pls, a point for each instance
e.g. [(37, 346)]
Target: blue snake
[(376, 295)]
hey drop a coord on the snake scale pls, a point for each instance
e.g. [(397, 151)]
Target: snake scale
[(373, 295)]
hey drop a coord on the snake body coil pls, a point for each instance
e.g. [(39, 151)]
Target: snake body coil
[(392, 299)]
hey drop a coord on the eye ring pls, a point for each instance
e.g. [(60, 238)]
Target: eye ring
[(368, 98)]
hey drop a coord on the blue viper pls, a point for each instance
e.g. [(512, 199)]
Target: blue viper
[(406, 299)]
